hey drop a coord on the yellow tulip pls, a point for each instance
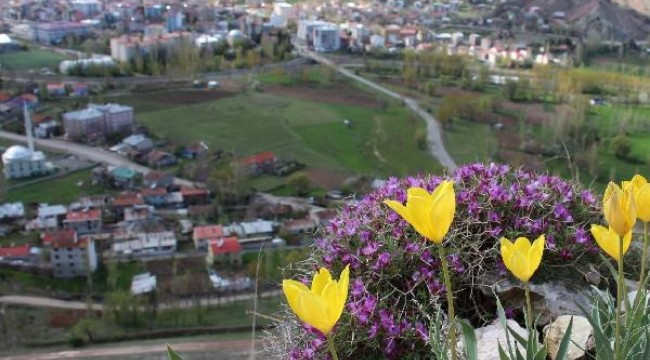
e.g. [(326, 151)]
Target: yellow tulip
[(635, 183), (641, 189), (609, 240), (619, 208), (322, 305), (430, 214), (522, 258)]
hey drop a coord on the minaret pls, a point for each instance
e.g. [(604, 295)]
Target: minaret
[(28, 128)]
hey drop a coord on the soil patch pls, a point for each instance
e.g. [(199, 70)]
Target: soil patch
[(534, 113), (187, 97), (340, 94), (326, 179)]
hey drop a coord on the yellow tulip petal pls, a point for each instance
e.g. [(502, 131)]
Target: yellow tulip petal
[(522, 245), (335, 304), (607, 239), (518, 267), (400, 209), (344, 283), (441, 214), (292, 290), (627, 240), (419, 203), (638, 181), (320, 281), (313, 310), (642, 200), (535, 254)]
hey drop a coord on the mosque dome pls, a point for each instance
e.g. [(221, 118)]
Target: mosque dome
[(16, 152)]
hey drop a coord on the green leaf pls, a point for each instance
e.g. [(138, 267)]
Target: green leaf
[(471, 348), (502, 354), (564, 344), (504, 326), (603, 346), (541, 354), (172, 354)]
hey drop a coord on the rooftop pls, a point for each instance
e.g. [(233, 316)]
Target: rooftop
[(208, 232), (58, 236), (15, 251), (225, 246), (83, 215)]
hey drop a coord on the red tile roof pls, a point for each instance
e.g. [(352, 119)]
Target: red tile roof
[(225, 246), (159, 191), (14, 252), (56, 236), (189, 191), (155, 176), (82, 215), (29, 97), (128, 199), (257, 159), (208, 232), (4, 97), (70, 243)]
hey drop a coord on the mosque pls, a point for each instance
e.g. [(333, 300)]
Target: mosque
[(23, 162)]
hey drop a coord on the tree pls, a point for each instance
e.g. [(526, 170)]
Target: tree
[(621, 146), (300, 183), (225, 182)]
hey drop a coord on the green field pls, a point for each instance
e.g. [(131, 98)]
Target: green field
[(68, 189), (32, 59), (378, 142), (469, 142)]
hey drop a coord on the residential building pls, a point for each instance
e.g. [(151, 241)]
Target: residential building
[(195, 196), (48, 129), (12, 211), (158, 159), (98, 120), (258, 162), (299, 226), (84, 221), (306, 30), (224, 251), (204, 235), (174, 21), (138, 215), (123, 177), (50, 237), (155, 196), (134, 144), (55, 89), (12, 254), (48, 218), (73, 257), (125, 201), (157, 179), (125, 48), (54, 33), (327, 38), (144, 244), (143, 283), (88, 8), (285, 10), (253, 229)]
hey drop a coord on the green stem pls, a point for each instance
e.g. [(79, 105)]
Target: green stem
[(332, 349), (644, 258), (619, 301), (529, 309), (450, 303)]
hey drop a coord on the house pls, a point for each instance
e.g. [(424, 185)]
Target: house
[(137, 143), (12, 211), (195, 196), (124, 201), (260, 229), (73, 257), (200, 211), (84, 221), (138, 215), (98, 120), (299, 226), (203, 235), (30, 99), (193, 151), (257, 162), (20, 254), (39, 224), (158, 159), (123, 177), (56, 89), (157, 179), (50, 237), (154, 196), (57, 212), (90, 202), (52, 33), (174, 200), (224, 251), (46, 130), (143, 244), (323, 217), (80, 89)]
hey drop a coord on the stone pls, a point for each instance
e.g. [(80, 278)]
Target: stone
[(489, 336), (549, 300), (582, 336)]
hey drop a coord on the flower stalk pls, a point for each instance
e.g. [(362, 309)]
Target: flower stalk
[(644, 257), (619, 301), (450, 303), (332, 348), (529, 308)]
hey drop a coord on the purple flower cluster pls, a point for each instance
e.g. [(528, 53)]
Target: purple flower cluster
[(396, 280)]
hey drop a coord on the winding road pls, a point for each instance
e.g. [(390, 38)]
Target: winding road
[(434, 136)]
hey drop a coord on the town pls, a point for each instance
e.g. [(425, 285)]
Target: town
[(166, 163)]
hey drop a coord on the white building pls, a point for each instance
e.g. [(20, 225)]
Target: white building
[(21, 162), (104, 62), (284, 9), (144, 244), (143, 283), (327, 38), (12, 211), (87, 7), (306, 29), (73, 257)]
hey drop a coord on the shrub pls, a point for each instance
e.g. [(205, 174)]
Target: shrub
[(396, 284)]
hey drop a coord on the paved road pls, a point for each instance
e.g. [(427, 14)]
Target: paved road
[(228, 348), (437, 146), (80, 305), (92, 153)]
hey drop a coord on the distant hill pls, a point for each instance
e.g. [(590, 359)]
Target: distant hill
[(642, 6), (619, 20)]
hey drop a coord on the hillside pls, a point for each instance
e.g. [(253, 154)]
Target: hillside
[(603, 19), (642, 6)]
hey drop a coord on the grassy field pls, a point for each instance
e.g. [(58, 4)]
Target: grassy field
[(32, 59), (68, 189), (379, 142), (463, 133)]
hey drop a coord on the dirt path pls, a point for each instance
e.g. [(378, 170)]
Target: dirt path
[(120, 352)]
